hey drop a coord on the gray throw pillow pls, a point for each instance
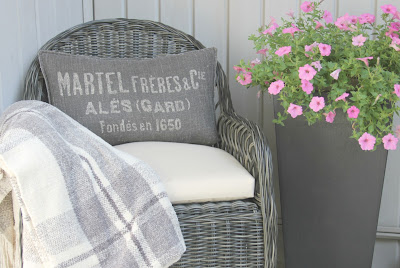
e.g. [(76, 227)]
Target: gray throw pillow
[(169, 98)]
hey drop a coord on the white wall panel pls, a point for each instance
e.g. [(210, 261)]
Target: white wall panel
[(88, 10), (106, 9), (28, 40), (10, 54), (278, 9), (147, 10), (386, 254), (210, 26), (26, 26), (46, 24), (178, 14), (67, 14), (356, 7), (244, 20)]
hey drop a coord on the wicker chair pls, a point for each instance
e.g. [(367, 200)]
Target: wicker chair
[(240, 233)]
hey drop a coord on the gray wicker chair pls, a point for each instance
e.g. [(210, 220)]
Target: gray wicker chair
[(241, 233)]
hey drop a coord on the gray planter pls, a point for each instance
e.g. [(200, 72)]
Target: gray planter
[(330, 194)]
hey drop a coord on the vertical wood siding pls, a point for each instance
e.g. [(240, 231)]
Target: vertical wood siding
[(25, 26), (224, 24)]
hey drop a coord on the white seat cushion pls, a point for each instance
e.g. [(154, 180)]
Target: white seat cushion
[(194, 173)]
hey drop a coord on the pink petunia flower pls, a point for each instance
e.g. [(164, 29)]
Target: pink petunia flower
[(395, 25), (291, 30), (238, 69), (255, 62), (359, 40), (335, 74), (353, 20), (295, 110), (272, 28), (366, 18), (319, 24), (343, 22), (283, 51), (397, 90), (367, 142), (307, 72), (391, 31), (262, 51), (389, 9), (330, 117), (310, 47), (396, 40), (245, 80), (324, 49), (342, 97), (397, 131), (327, 16), (290, 13), (317, 103), (317, 64), (307, 6), (276, 87), (365, 60), (393, 45), (390, 142), (307, 86), (396, 16), (353, 112)]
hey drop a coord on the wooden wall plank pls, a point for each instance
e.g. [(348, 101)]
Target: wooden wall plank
[(53, 17), (355, 7), (27, 33), (88, 10), (106, 9), (386, 254), (210, 26), (178, 14), (68, 13), (244, 100), (29, 25), (10, 53), (278, 9), (46, 24), (144, 10)]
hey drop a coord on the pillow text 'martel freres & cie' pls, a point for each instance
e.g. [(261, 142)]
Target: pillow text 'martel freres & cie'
[(168, 98)]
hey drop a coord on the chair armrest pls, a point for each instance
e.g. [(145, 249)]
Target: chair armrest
[(246, 142)]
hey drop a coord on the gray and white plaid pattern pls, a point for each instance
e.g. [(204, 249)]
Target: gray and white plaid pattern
[(83, 203)]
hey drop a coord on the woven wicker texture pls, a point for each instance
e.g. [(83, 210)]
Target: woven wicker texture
[(221, 234)]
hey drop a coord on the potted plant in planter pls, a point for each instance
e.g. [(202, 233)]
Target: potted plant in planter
[(345, 74)]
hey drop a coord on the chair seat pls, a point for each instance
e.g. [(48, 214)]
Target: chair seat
[(194, 173)]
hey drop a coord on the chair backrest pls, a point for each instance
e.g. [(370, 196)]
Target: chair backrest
[(121, 38)]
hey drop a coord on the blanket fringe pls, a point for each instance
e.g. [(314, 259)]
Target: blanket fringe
[(6, 253), (17, 232)]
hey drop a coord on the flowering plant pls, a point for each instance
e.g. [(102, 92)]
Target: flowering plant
[(316, 66)]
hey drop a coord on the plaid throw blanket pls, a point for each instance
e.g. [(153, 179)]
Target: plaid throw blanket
[(75, 201)]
